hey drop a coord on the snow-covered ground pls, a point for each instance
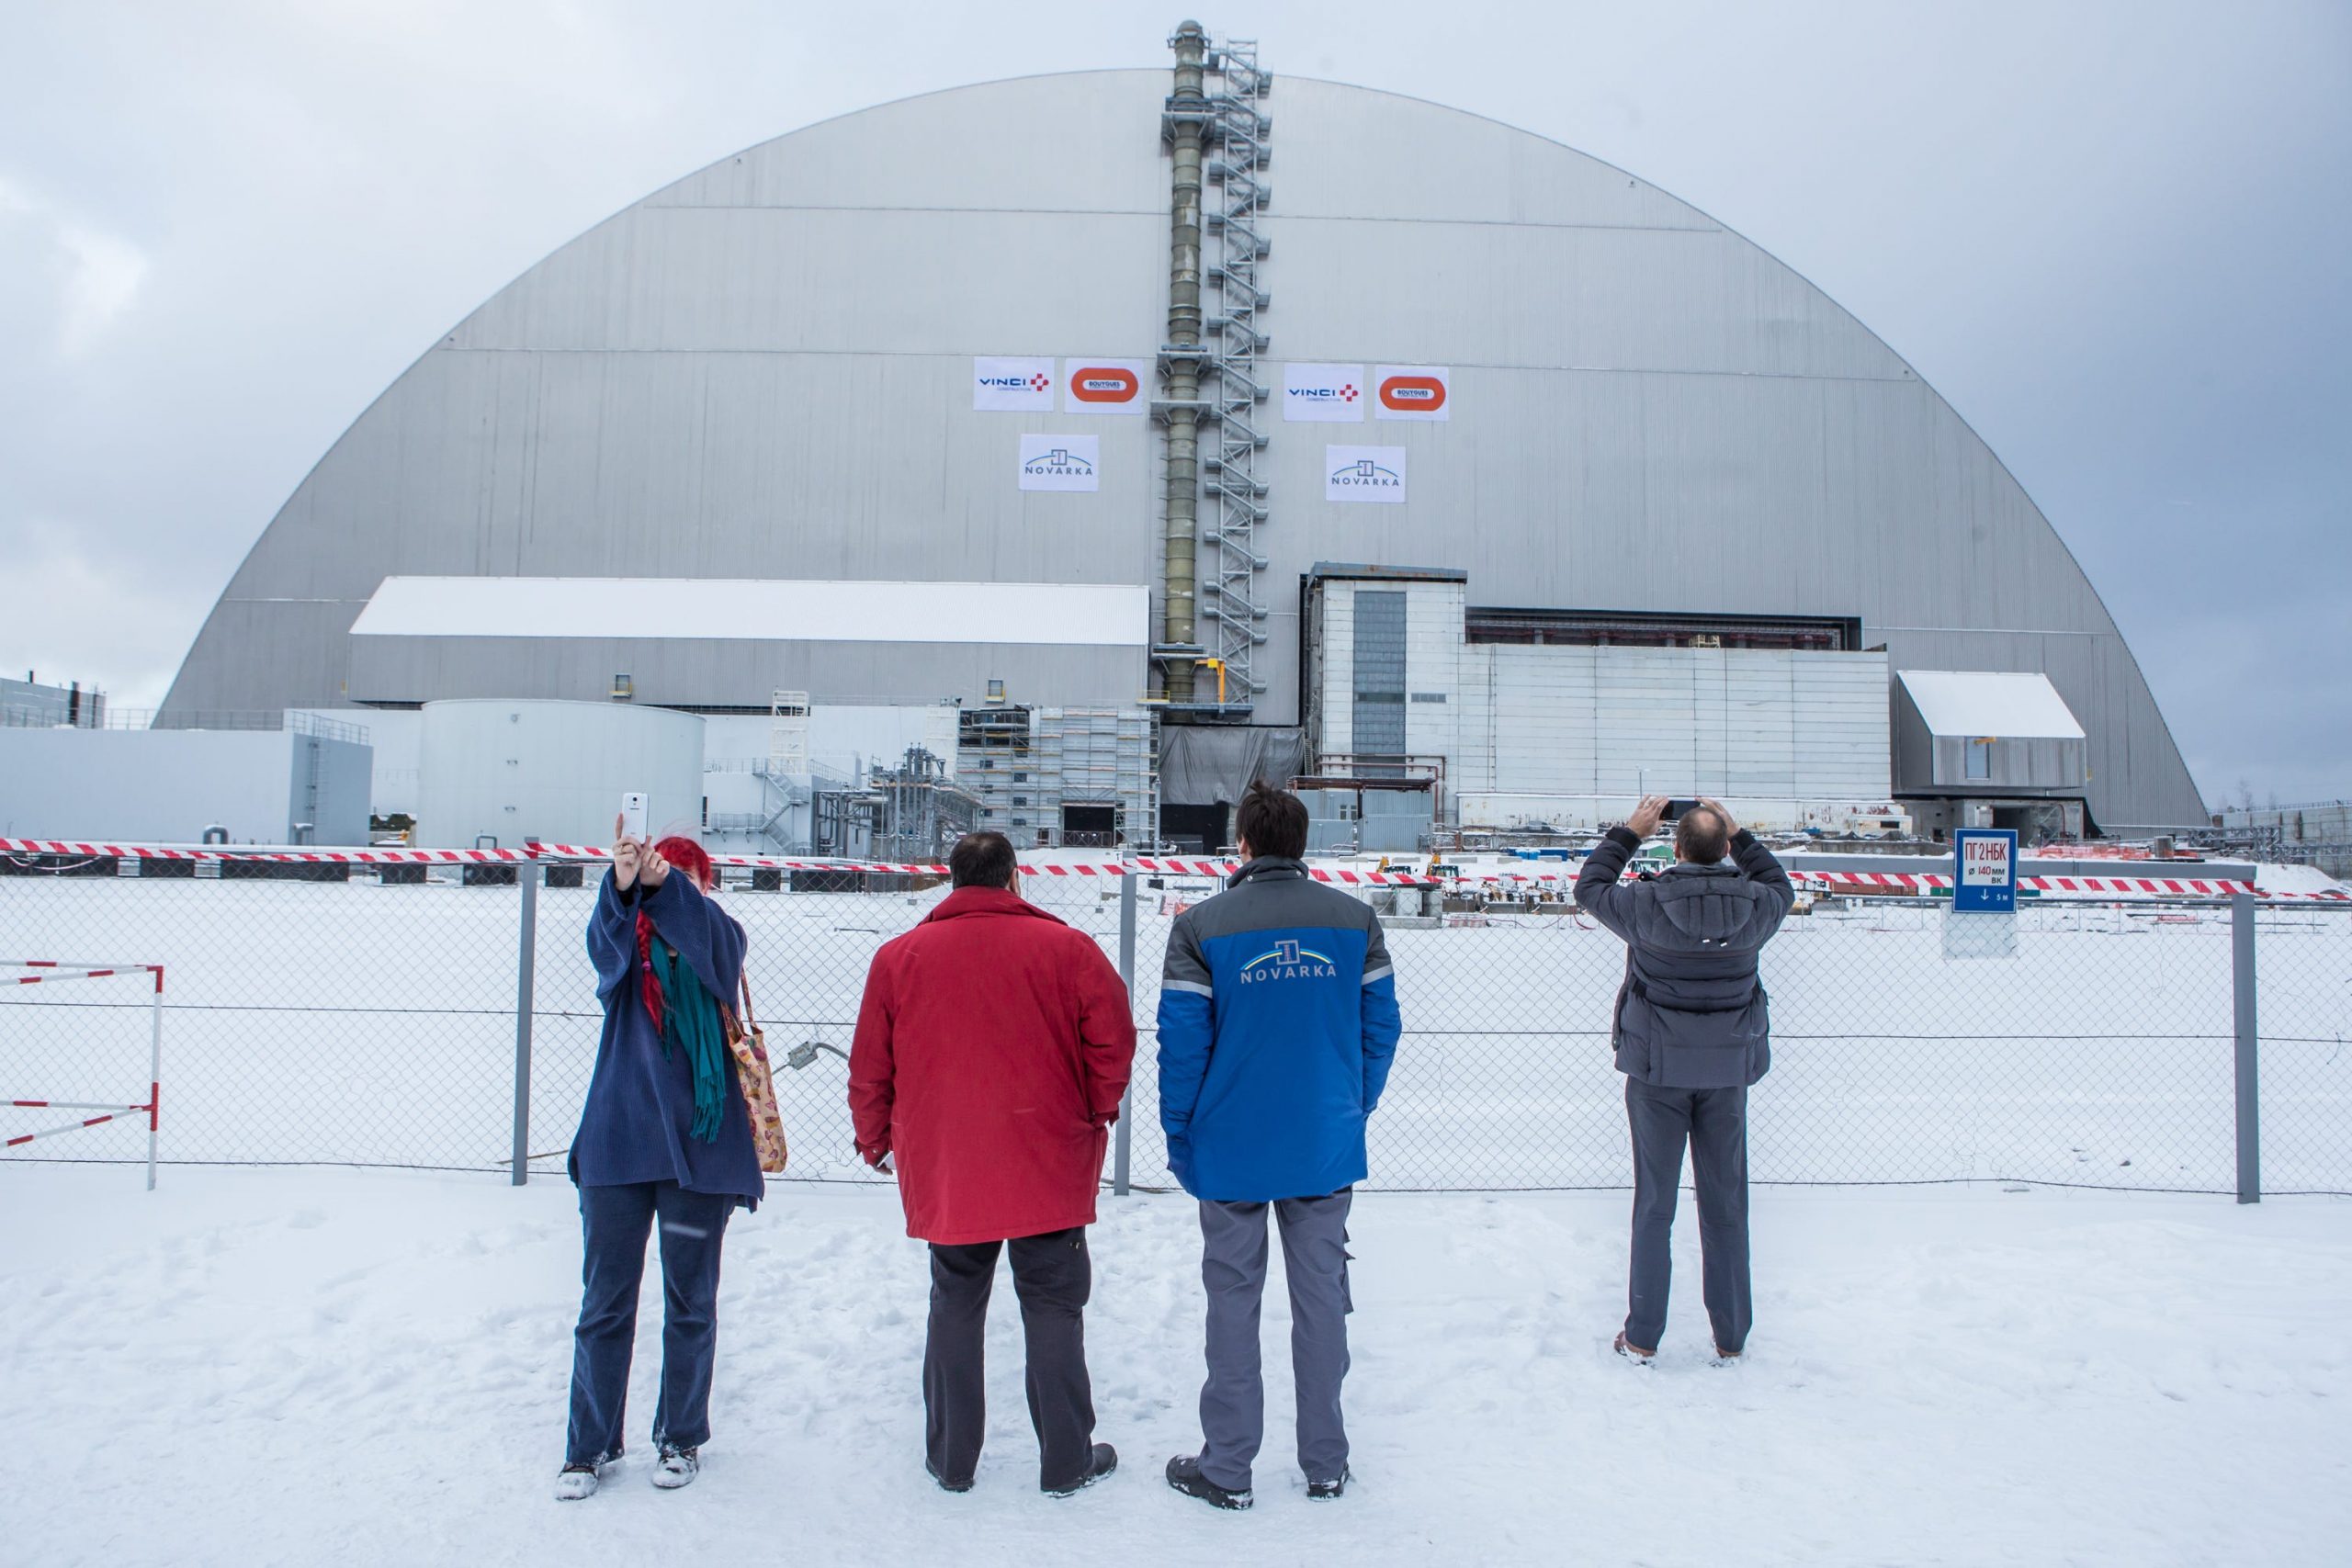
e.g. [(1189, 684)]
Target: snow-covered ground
[(251, 1367)]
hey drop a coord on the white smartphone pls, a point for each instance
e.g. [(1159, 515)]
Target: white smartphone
[(633, 813)]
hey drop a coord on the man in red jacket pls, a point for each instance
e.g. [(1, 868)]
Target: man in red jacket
[(993, 1048)]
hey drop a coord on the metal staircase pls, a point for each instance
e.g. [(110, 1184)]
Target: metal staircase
[(1229, 599)]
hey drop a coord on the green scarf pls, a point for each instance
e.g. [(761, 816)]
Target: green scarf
[(690, 1018)]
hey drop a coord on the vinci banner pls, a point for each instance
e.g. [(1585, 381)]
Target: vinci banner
[(1013, 385), (1107, 386), (1412, 391), (1060, 462), (1323, 394), (1364, 473)]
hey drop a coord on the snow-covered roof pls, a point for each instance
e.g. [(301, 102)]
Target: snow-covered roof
[(1989, 703), (1088, 614)]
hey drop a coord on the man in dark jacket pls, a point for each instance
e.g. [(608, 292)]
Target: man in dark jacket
[(1277, 1024), (992, 1047), (1691, 1033)]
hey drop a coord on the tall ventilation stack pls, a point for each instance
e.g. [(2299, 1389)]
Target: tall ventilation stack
[(1221, 138)]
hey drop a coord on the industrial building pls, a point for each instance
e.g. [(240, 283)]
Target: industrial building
[(1263, 427), (301, 780)]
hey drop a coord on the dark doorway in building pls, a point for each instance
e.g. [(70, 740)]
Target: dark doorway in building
[(1089, 826), (1195, 829), (2017, 817)]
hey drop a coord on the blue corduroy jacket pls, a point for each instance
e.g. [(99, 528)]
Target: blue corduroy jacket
[(636, 1125)]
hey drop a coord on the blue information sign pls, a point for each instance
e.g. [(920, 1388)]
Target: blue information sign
[(1984, 870)]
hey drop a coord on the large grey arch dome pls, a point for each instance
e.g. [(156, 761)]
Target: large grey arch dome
[(764, 371)]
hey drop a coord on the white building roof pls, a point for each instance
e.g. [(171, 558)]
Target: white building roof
[(1088, 614), (1988, 703)]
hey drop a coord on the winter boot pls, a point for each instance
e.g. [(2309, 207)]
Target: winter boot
[(1726, 1357), (945, 1485), (1632, 1351), (579, 1480), (1321, 1490), (676, 1468), (1184, 1474), (1105, 1460)]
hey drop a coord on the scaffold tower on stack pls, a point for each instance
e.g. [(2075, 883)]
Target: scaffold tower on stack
[(1230, 600), (1213, 618)]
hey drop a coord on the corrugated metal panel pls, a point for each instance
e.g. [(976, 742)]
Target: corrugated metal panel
[(1619, 721)]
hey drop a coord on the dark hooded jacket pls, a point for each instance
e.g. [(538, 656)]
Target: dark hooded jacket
[(1692, 1012)]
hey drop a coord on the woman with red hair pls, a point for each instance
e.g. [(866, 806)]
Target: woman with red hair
[(663, 1137)]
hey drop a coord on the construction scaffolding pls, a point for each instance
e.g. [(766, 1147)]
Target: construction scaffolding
[(1074, 778)]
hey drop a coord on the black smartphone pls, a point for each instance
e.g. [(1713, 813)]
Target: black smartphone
[(1675, 808)]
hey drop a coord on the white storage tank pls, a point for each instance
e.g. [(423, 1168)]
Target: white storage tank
[(552, 770)]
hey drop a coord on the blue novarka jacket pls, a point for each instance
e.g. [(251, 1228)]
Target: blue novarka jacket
[(1277, 1025)]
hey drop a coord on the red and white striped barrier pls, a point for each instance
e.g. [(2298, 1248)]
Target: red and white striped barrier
[(51, 971), (2103, 887), (1827, 881), (539, 852)]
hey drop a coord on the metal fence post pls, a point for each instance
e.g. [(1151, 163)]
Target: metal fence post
[(2249, 1097), (525, 997), (1123, 1141)]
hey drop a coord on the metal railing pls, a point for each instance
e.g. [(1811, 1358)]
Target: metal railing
[(21, 716), (2158, 1044)]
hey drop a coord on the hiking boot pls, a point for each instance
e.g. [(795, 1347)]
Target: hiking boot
[(1632, 1351), (1106, 1459), (945, 1485), (1185, 1475), (676, 1468), (1321, 1490)]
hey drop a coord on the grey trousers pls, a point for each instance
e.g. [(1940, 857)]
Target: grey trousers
[(1233, 1267), (1713, 1122)]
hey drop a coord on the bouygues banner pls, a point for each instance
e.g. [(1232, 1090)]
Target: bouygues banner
[(1013, 385), (1412, 391), (1364, 473), (1107, 386), (1061, 462), (1323, 394)]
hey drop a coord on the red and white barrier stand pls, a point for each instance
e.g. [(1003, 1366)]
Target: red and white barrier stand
[(51, 971)]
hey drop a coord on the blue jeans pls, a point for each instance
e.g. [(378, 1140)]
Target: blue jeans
[(615, 1221)]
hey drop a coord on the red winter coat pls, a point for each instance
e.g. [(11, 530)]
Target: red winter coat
[(993, 1048)]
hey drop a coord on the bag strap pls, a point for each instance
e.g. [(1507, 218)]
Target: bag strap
[(750, 1020)]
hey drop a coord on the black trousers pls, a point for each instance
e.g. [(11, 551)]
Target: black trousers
[(1053, 1275), (1713, 1124), (615, 1221)]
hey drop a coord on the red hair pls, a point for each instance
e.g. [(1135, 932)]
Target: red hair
[(683, 854)]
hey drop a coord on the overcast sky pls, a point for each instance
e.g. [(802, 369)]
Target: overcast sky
[(2115, 236)]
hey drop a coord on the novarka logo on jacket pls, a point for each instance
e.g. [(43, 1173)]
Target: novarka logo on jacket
[(1288, 961)]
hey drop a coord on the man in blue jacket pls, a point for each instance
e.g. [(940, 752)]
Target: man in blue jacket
[(1277, 1024)]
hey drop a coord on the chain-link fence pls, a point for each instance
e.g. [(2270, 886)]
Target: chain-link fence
[(374, 1023)]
